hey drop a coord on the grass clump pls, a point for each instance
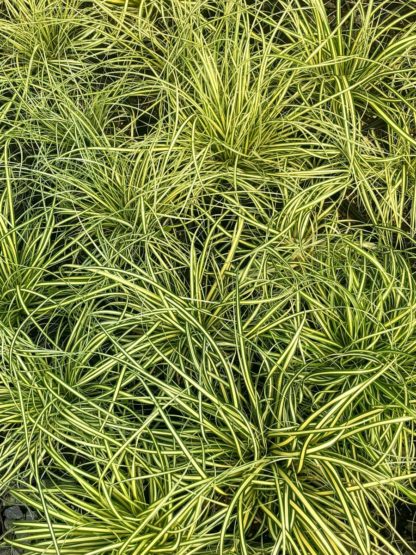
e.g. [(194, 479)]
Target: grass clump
[(207, 276)]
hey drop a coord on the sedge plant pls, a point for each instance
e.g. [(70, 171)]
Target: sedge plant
[(207, 276)]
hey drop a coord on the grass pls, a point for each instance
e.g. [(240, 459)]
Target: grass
[(207, 275)]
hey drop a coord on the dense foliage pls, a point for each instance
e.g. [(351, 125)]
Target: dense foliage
[(207, 275)]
